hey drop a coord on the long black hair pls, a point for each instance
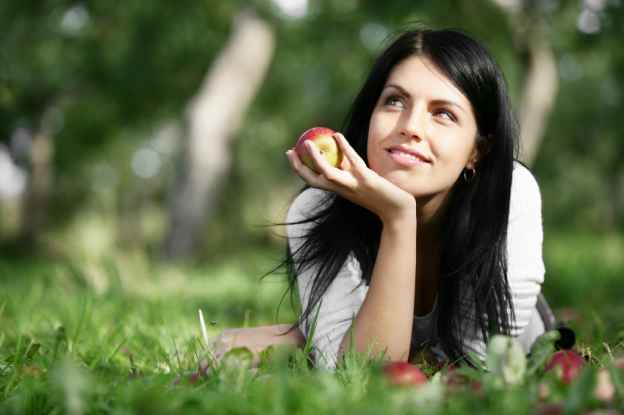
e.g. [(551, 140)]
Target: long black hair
[(473, 272)]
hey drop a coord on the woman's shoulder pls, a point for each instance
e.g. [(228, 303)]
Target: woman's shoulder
[(524, 187), (302, 208), (305, 203), (523, 177)]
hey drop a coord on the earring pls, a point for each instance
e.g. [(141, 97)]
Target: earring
[(469, 177)]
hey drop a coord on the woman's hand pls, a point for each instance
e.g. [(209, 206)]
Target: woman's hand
[(256, 339), (354, 181)]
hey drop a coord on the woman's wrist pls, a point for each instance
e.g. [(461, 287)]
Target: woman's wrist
[(403, 217)]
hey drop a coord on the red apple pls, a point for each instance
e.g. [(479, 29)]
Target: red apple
[(550, 409), (455, 381), (567, 364), (322, 138), (403, 373)]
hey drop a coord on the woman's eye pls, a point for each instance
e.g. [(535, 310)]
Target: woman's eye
[(445, 114), (393, 100)]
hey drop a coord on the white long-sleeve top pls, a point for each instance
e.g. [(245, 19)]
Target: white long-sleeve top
[(344, 297)]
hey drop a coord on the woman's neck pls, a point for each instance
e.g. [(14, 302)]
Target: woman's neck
[(429, 213)]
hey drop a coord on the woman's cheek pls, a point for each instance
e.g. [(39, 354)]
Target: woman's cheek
[(375, 135)]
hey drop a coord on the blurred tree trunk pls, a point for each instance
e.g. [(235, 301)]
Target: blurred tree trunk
[(541, 81), (35, 200), (212, 118), (538, 95)]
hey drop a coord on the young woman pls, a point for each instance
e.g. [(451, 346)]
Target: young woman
[(429, 233)]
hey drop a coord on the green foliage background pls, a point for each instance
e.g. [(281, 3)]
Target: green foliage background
[(105, 77), (109, 82)]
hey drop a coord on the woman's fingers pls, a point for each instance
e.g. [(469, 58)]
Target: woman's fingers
[(232, 338), (328, 174), (320, 163), (349, 152), (329, 178), (220, 346), (307, 174)]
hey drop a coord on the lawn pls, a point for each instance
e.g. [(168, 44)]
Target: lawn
[(121, 335)]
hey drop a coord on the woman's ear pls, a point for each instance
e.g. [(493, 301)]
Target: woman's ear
[(481, 149), (473, 159)]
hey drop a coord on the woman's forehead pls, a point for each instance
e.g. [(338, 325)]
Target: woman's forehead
[(418, 76)]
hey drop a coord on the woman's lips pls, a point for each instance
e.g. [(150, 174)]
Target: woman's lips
[(406, 159)]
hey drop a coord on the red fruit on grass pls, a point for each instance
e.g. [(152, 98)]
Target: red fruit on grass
[(550, 409), (567, 364), (456, 381), (194, 377), (403, 373), (325, 143)]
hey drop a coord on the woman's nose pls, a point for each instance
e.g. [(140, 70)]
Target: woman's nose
[(413, 125)]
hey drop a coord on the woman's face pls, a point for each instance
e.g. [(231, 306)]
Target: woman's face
[(420, 110)]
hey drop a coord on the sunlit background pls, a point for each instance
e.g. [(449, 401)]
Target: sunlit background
[(144, 142)]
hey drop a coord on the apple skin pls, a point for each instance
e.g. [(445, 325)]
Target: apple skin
[(567, 364), (404, 374), (324, 142), (457, 381)]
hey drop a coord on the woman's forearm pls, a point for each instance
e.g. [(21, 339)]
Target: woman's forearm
[(274, 335), (385, 318), (258, 338)]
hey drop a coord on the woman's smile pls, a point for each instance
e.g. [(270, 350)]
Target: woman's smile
[(408, 157)]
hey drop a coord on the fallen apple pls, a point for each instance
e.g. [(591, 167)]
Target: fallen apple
[(456, 381), (550, 409), (403, 373), (567, 364), (324, 141)]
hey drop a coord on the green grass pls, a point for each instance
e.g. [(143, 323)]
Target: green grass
[(121, 335), (585, 280)]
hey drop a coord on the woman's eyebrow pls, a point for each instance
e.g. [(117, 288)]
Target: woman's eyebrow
[(449, 103), (435, 101), (400, 88)]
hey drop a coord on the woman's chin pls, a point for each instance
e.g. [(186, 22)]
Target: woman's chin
[(419, 191), (414, 190)]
